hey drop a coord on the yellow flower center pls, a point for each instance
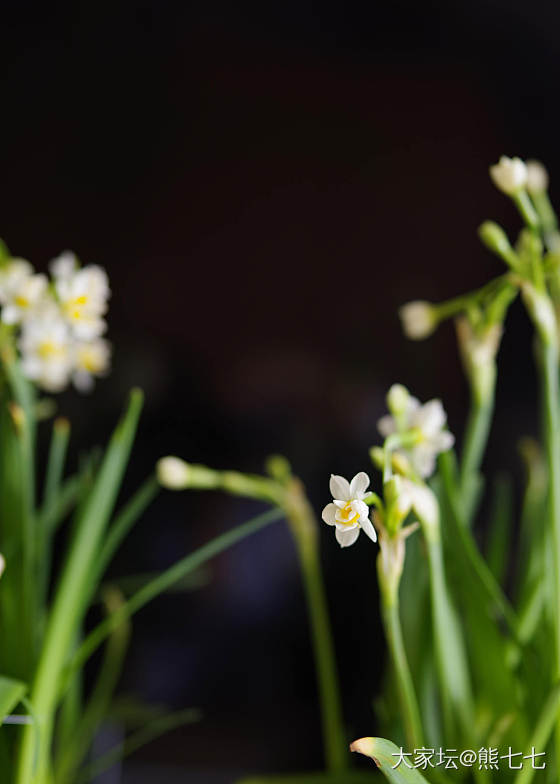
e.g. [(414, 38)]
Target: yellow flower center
[(343, 515), (21, 302), (48, 349)]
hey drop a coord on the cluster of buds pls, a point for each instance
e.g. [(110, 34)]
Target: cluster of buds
[(59, 322)]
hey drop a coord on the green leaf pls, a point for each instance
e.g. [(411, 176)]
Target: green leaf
[(11, 692), (135, 741), (541, 734), (386, 755), (345, 777), (499, 538), (166, 579)]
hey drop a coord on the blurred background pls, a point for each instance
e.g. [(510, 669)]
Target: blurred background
[(265, 184)]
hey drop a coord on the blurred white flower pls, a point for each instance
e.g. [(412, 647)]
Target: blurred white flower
[(348, 512), (428, 422), (64, 266), (509, 175), (537, 177), (46, 355), (21, 291), (83, 298), (418, 318), (2, 564), (173, 473), (90, 359)]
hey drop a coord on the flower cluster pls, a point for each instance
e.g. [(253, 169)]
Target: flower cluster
[(60, 321)]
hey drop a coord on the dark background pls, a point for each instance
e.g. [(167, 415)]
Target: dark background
[(266, 184)]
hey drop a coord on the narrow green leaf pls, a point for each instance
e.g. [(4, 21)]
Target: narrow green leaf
[(73, 588), (386, 756), (166, 579), (122, 524), (135, 741), (541, 735), (56, 459), (11, 692), (499, 538)]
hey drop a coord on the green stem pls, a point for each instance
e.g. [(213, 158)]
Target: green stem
[(409, 705), (552, 448), (304, 530), (475, 440)]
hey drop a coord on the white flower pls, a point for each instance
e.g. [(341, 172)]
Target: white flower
[(64, 266), (428, 421), (418, 319), (173, 473), (2, 564), (83, 298), (90, 359), (348, 512), (537, 177), (21, 292), (12, 275), (45, 345), (509, 175)]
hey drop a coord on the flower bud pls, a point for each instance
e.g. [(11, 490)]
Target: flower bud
[(537, 178), (541, 311), (419, 319), (2, 564), (496, 240), (509, 175), (398, 400), (173, 473)]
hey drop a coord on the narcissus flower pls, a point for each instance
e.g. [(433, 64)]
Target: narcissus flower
[(21, 292), (46, 356), (348, 512), (425, 422), (91, 360), (83, 300), (509, 175)]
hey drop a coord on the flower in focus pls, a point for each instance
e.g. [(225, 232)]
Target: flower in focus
[(418, 319), (348, 512), (20, 291), (509, 175), (83, 298), (45, 346), (91, 359), (426, 421)]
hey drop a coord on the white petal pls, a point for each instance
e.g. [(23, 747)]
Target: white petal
[(386, 425), (339, 488), (10, 314), (430, 418), (346, 538), (344, 526), (328, 514), (360, 508), (359, 485), (443, 441), (424, 460), (368, 529)]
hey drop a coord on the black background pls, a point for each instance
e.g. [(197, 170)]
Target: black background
[(266, 184)]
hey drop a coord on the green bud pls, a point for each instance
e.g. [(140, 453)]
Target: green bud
[(496, 240)]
